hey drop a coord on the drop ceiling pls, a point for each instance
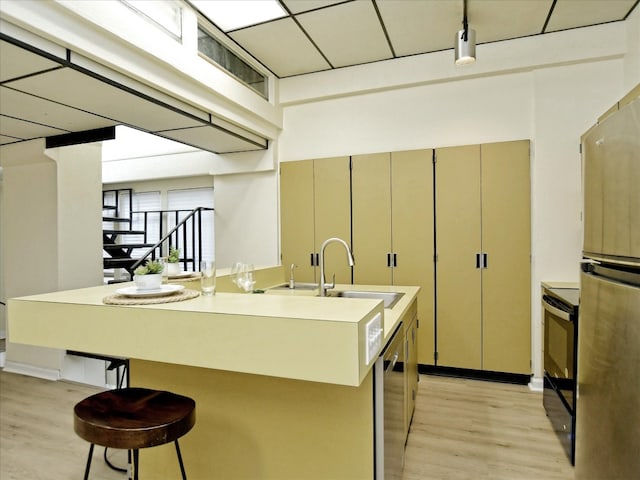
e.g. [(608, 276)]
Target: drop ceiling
[(44, 94), (317, 35)]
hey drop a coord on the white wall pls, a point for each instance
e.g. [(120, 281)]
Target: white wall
[(552, 102), (247, 219), (47, 205)]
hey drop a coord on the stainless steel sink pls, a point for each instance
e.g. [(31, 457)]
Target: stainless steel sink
[(298, 286), (389, 298)]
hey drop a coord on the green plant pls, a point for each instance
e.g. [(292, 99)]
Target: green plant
[(149, 268), (174, 255)]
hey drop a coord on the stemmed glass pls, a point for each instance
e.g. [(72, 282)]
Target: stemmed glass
[(235, 271)]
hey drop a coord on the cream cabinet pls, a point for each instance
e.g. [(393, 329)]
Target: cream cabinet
[(410, 363), (371, 224), (483, 257), (392, 228), (315, 204)]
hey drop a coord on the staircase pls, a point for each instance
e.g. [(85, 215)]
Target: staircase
[(121, 257), (117, 218)]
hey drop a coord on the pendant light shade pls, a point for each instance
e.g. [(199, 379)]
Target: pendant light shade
[(465, 47), (465, 41)]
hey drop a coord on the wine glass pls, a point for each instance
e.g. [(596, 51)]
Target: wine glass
[(235, 272)]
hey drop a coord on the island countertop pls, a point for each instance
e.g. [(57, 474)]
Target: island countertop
[(283, 334)]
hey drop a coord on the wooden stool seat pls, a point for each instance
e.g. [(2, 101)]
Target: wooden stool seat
[(133, 418)]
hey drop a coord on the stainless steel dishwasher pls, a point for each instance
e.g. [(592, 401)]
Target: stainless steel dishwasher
[(389, 409)]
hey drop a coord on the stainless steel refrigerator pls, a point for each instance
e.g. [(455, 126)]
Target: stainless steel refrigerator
[(608, 398)]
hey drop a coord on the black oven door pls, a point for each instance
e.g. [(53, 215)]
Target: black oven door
[(559, 348), (560, 342)]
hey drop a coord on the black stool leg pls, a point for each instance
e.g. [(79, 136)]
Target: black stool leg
[(135, 464), (184, 475), (86, 470)]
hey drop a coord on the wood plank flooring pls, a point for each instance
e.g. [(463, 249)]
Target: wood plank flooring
[(37, 441), (470, 429), (462, 429)]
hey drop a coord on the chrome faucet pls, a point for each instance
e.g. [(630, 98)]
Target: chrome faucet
[(323, 285), (292, 281)]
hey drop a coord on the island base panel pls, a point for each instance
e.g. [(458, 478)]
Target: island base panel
[(258, 427)]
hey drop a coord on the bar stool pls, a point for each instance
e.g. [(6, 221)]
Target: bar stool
[(133, 418)]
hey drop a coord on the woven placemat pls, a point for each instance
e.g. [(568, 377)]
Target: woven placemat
[(180, 296), (184, 278)]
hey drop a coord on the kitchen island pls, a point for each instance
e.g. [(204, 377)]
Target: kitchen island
[(281, 380)]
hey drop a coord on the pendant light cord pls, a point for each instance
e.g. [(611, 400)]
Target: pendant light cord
[(465, 24)]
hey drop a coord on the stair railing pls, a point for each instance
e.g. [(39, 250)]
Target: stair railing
[(171, 238)]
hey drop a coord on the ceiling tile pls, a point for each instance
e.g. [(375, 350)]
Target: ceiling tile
[(211, 139), (18, 128), (5, 140), (347, 33), (495, 20), (92, 95), (572, 14), (37, 110), (16, 62), (418, 27), (282, 46), (298, 6)]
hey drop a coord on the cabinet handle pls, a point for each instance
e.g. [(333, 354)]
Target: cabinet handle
[(395, 259), (484, 261), (311, 260), (388, 260), (478, 265)]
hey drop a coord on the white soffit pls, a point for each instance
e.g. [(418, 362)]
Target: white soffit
[(572, 14), (282, 46), (343, 41)]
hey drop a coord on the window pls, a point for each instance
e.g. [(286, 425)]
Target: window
[(188, 199), (229, 61), (158, 212), (144, 202)]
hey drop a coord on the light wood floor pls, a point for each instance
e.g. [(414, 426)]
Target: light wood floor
[(462, 429), (37, 441), (470, 429)]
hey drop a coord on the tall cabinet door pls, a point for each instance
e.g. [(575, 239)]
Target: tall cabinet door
[(332, 206), (412, 237), (458, 244), (506, 240), (297, 217), (371, 203)]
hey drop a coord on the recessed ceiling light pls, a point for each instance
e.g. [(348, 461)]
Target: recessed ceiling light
[(232, 14)]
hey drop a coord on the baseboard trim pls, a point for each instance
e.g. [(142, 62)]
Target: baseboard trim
[(490, 376), (32, 371), (536, 384)]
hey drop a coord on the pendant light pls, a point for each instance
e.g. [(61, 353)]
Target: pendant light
[(465, 41)]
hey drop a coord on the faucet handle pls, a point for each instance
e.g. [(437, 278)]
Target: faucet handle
[(332, 284), (292, 282)]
